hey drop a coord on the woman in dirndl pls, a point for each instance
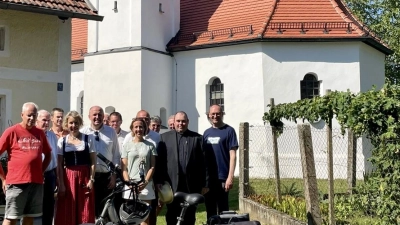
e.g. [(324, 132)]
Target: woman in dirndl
[(77, 164), (133, 153)]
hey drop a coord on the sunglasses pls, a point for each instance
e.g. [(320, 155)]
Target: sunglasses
[(97, 138)]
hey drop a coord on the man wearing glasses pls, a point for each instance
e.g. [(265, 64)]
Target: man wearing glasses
[(106, 143), (154, 138)]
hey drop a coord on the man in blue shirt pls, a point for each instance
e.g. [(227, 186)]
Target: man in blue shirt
[(220, 145)]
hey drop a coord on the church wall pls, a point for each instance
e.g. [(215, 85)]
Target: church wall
[(119, 28), (372, 67), (157, 27), (157, 84), (77, 77), (113, 80)]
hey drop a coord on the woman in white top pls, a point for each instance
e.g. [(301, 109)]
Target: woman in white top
[(133, 153), (77, 165)]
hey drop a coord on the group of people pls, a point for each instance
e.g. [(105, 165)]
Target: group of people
[(63, 157)]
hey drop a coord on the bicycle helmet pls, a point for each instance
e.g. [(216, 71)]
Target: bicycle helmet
[(134, 212)]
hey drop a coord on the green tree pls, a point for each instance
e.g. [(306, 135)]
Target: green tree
[(382, 17)]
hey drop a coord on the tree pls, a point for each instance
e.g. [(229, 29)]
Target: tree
[(383, 18)]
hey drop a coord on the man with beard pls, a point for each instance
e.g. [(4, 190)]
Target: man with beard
[(23, 184)]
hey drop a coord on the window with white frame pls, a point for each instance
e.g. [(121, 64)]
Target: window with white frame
[(217, 93)]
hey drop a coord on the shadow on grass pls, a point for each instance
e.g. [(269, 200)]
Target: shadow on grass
[(233, 200)]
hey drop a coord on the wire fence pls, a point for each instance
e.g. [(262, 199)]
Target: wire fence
[(262, 167)]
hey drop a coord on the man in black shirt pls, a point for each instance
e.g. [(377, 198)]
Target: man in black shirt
[(181, 163)]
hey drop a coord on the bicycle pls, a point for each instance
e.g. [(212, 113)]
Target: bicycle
[(140, 210), (188, 200)]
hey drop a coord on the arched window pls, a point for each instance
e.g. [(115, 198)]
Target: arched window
[(309, 86), (217, 93)]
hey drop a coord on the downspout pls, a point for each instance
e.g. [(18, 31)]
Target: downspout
[(97, 27), (176, 84)]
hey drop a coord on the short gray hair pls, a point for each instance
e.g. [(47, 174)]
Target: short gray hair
[(42, 111), (26, 104), (156, 119)]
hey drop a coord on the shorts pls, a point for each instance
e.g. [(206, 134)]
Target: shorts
[(146, 194), (24, 200)]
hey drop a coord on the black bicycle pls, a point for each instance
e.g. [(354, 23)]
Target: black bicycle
[(130, 213)]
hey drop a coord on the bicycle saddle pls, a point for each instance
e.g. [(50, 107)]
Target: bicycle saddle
[(191, 199)]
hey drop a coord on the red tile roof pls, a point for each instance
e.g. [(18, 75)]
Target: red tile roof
[(79, 39), (206, 23), (63, 8)]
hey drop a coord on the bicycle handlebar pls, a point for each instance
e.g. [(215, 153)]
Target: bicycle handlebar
[(116, 170)]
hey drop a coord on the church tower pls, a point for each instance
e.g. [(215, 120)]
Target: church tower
[(127, 66)]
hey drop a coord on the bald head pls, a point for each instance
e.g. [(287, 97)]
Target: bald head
[(96, 115), (216, 115), (144, 115)]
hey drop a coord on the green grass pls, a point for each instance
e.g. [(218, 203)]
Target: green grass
[(201, 217), (267, 186)]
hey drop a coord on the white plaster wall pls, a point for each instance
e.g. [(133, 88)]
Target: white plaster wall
[(240, 70), (286, 64), (158, 28), (113, 80), (372, 68), (77, 80), (118, 29), (157, 83), (64, 64)]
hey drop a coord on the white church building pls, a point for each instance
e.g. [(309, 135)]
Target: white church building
[(170, 55)]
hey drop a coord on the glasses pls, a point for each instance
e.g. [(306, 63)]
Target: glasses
[(97, 138)]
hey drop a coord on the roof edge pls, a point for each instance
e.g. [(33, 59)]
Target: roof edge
[(367, 40), (41, 10), (271, 13), (362, 28)]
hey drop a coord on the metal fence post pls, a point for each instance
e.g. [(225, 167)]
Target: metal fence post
[(309, 175), (243, 160)]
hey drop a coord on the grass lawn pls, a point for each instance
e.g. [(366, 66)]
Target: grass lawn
[(267, 186), (201, 210)]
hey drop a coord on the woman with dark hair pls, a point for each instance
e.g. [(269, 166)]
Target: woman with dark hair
[(77, 165), (133, 153)]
